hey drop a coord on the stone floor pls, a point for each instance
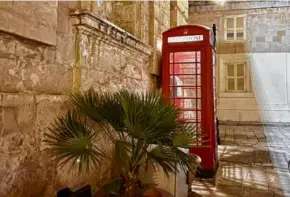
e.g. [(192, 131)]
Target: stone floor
[(253, 162)]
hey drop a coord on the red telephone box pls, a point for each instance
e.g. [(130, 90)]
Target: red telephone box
[(188, 80)]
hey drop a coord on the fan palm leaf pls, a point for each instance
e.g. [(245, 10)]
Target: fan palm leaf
[(133, 122), (72, 140)]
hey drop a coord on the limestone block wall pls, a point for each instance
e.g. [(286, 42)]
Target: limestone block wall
[(133, 16), (36, 74), (159, 22), (265, 50), (179, 13), (36, 77), (108, 58), (22, 21), (101, 8), (182, 17)]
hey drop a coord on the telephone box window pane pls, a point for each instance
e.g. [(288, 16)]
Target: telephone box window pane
[(188, 114), (171, 67), (240, 70), (188, 92), (198, 56), (231, 71), (198, 68), (171, 57), (240, 22), (198, 127), (185, 80), (175, 92), (199, 104), (172, 93), (178, 103), (176, 81), (184, 104), (198, 93), (171, 80), (180, 92), (181, 116), (198, 80), (198, 114), (188, 71), (199, 119), (185, 56), (230, 23), (189, 103), (231, 84), (241, 84), (188, 68)]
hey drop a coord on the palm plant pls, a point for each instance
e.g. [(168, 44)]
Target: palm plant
[(142, 128)]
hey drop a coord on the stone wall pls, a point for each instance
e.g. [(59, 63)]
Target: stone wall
[(159, 22), (133, 16), (37, 75), (266, 51), (101, 8), (108, 57), (179, 13), (22, 21)]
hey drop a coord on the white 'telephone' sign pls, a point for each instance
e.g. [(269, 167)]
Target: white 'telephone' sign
[(177, 39)]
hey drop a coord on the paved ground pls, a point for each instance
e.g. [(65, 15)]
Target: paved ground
[(253, 162)]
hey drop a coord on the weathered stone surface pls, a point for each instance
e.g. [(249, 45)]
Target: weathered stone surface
[(47, 108), (105, 65), (25, 169), (28, 66), (19, 18), (178, 13)]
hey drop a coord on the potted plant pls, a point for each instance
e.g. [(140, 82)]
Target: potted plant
[(143, 129)]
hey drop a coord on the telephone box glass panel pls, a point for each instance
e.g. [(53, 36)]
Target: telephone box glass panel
[(185, 85)]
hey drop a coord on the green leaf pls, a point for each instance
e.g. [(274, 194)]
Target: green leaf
[(72, 142), (161, 156), (122, 155)]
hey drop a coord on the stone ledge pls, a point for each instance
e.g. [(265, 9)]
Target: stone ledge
[(104, 28), (252, 123)]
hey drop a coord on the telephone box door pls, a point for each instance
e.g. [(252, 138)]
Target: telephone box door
[(186, 84)]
